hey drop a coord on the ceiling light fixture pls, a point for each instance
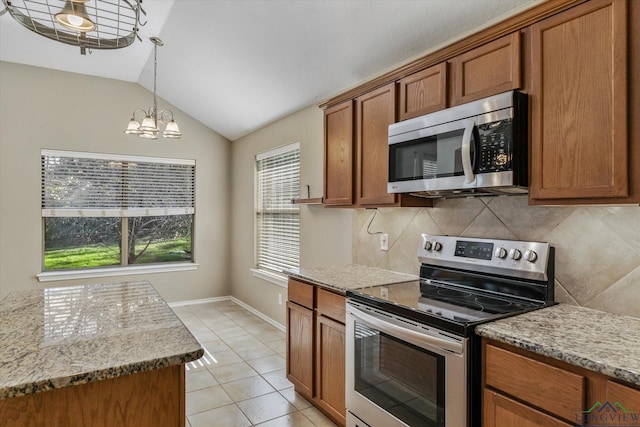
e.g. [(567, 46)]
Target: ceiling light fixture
[(89, 24), (149, 127), (74, 16)]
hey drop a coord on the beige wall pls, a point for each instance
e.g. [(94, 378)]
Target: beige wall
[(42, 108), (325, 234), (597, 248)]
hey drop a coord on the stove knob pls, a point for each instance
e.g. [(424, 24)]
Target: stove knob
[(427, 245), (515, 254), (437, 246), (501, 253), (530, 255)]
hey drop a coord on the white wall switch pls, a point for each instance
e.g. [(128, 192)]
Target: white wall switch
[(384, 242)]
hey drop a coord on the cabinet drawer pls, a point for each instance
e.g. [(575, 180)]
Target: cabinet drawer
[(500, 411), (301, 293), (547, 387), (331, 305)]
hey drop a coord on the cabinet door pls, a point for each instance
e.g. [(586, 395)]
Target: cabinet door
[(300, 348), (579, 146), (500, 411), (423, 92), (626, 396), (338, 154), (375, 111), (330, 368), (490, 69)]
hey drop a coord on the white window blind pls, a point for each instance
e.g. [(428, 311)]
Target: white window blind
[(94, 185), (278, 220)]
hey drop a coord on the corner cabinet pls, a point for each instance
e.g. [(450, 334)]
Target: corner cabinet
[(529, 390), (580, 145), (316, 347)]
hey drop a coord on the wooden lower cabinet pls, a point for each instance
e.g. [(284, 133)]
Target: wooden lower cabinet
[(523, 389), (316, 347), (330, 367), (153, 398), (300, 348)]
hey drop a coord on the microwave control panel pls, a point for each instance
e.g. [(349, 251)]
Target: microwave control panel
[(495, 142)]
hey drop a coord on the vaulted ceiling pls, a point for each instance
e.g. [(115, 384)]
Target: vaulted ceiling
[(238, 65)]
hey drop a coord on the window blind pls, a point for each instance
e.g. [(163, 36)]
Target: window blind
[(88, 184), (278, 220)]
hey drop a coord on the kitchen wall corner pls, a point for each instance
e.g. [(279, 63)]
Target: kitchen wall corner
[(325, 234)]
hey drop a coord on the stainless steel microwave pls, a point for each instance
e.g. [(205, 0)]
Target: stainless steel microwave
[(478, 148)]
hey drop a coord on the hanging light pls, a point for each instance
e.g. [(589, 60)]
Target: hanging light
[(74, 16), (152, 117), (89, 24)]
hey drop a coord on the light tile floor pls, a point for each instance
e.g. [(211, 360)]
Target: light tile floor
[(241, 380)]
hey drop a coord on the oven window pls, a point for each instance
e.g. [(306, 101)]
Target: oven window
[(430, 157), (405, 380)]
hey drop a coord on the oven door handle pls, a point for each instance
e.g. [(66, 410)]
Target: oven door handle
[(408, 334), (467, 167)]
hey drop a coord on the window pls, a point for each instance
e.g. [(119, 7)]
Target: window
[(277, 219), (101, 210)]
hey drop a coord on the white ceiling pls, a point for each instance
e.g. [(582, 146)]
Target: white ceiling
[(237, 65)]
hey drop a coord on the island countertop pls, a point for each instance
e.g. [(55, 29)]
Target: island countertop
[(595, 340), (346, 277), (58, 337)]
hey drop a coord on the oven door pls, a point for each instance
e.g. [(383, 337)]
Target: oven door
[(402, 373)]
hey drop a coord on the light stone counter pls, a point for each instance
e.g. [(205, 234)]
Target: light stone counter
[(595, 340), (342, 278), (57, 337)]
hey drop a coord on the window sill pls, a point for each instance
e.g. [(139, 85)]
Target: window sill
[(52, 276), (276, 278)]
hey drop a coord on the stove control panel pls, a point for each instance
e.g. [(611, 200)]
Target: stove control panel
[(507, 257)]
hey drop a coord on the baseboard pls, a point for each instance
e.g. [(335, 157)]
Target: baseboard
[(198, 301), (235, 300), (259, 314)]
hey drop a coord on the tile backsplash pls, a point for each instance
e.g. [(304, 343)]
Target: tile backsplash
[(597, 248)]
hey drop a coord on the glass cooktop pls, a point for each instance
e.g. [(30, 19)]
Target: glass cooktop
[(456, 305)]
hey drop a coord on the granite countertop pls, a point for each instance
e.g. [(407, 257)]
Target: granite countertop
[(348, 277), (595, 340), (57, 337)]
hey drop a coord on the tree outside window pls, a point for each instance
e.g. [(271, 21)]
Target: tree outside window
[(111, 210)]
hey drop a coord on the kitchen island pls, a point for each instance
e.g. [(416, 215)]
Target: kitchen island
[(95, 355)]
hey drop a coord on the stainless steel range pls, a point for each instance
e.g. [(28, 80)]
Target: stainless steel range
[(412, 356)]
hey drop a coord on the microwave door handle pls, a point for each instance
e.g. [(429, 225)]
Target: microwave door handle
[(467, 167)]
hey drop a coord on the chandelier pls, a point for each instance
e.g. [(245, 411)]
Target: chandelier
[(149, 127), (89, 24)]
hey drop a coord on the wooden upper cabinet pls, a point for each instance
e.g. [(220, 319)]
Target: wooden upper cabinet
[(487, 70), (375, 111), (423, 92), (338, 154), (579, 146)]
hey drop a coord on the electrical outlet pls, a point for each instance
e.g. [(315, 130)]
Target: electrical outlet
[(384, 292), (384, 242), (279, 299)]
